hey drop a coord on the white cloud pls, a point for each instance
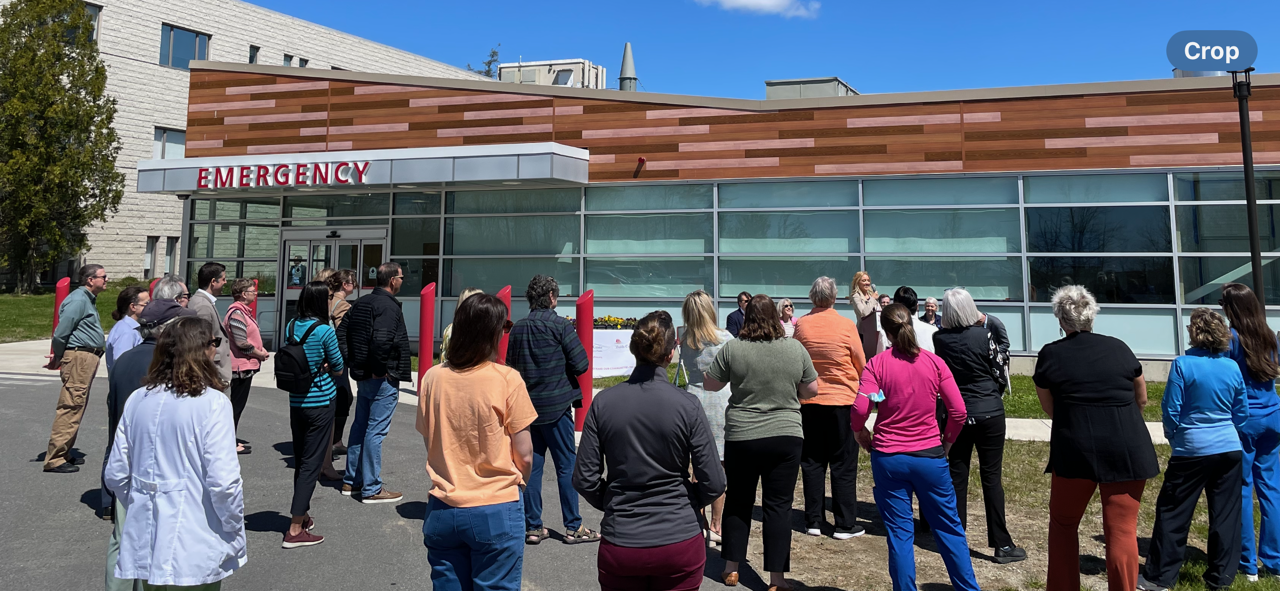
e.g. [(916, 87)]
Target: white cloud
[(787, 8)]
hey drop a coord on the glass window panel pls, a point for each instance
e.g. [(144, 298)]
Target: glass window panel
[(166, 32), (417, 204), (415, 237), (321, 257), (261, 241), (514, 201), (1112, 280), (825, 231), (297, 270), (649, 197), (348, 255), (261, 208), (157, 144), (184, 48), (648, 277), (1013, 323), (371, 257), (265, 273), (783, 277), (1147, 332), (649, 233), (492, 275), (1095, 188), (418, 273), (1203, 278), (512, 235), (202, 47), (1098, 229), (226, 209), (175, 144), (963, 191), (946, 230), (986, 278), (806, 194), (1225, 228), (200, 209), (318, 206), (198, 241), (1225, 186), (333, 222)]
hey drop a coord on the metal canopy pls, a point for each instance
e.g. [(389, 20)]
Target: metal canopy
[(545, 164)]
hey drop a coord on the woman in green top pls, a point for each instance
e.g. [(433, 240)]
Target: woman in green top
[(763, 435)]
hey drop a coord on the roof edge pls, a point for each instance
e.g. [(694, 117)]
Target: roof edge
[(933, 96)]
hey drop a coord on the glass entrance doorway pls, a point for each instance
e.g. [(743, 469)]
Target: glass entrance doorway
[(304, 252)]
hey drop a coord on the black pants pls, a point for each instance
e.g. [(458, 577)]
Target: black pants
[(310, 428), (342, 408), (987, 436), (239, 397), (1220, 476), (773, 463), (828, 441)]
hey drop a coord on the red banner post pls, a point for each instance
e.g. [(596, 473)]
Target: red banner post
[(253, 307), (60, 292), (585, 322), (151, 289), (426, 330), (505, 295)]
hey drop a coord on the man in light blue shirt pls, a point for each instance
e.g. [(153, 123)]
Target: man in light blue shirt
[(1204, 405), (78, 343)]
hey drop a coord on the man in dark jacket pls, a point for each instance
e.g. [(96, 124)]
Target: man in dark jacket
[(733, 323), (126, 376), (546, 351), (377, 344)]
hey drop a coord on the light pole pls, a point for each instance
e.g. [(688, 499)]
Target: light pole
[(1241, 89)]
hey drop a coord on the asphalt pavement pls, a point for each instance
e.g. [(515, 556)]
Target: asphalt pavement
[(52, 538)]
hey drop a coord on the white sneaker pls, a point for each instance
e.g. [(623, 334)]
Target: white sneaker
[(1251, 578), (1145, 585), (849, 534), (813, 531)]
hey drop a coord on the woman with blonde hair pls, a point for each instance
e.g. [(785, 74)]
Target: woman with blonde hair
[(866, 302), (700, 340), (448, 330), (787, 313)]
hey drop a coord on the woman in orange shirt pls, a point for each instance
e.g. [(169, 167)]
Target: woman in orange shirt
[(474, 416)]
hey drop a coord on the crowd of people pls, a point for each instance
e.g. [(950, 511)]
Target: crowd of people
[(770, 399)]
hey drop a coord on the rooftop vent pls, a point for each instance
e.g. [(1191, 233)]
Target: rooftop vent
[(807, 88)]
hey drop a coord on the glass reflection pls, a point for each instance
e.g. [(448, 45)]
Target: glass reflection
[(1112, 280), (1098, 229)]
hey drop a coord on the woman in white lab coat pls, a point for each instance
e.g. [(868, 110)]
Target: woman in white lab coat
[(174, 468)]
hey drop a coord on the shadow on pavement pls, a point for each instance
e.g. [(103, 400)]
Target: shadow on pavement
[(267, 521), (92, 499), (285, 448), (412, 510)]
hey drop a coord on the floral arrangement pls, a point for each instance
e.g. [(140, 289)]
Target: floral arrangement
[(615, 323)]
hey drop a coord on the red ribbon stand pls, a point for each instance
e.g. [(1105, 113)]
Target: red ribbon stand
[(505, 296), (426, 330), (584, 321)]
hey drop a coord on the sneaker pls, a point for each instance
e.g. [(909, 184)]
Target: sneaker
[(1250, 578), (304, 538), (1009, 554), (347, 490), (67, 468), (1145, 585), (843, 533), (813, 530), (383, 496)]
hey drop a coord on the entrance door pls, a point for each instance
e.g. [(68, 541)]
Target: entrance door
[(304, 252)]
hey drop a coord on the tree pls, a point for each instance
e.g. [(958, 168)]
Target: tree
[(489, 70), (57, 146)]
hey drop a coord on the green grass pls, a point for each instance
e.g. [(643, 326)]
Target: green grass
[(30, 317), (1022, 403)]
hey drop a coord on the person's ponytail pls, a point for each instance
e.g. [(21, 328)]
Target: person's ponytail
[(896, 321)]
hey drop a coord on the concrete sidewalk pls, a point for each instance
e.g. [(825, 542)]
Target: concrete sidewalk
[(28, 357)]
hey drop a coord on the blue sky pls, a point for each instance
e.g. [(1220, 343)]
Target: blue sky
[(728, 48)]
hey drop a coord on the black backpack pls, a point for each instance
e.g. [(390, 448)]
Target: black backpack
[(293, 370)]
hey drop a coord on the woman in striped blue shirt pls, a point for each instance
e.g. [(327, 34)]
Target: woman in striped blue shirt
[(311, 414)]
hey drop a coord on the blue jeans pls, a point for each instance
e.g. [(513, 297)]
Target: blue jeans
[(558, 438), (1260, 438), (376, 401), (474, 547), (897, 476)]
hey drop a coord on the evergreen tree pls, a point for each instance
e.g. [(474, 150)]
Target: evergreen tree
[(489, 71), (57, 147)]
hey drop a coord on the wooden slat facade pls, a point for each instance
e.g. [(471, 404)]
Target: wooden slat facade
[(233, 113)]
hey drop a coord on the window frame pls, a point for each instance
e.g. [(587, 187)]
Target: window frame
[(168, 43)]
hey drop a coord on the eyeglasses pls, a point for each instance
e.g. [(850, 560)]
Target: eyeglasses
[(183, 296), (215, 342), (506, 326)]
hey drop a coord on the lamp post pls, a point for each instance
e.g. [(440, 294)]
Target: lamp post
[(1241, 89)]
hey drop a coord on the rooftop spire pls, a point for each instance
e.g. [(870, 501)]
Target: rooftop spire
[(627, 79)]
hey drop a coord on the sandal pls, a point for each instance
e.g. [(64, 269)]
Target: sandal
[(582, 535), (534, 537)]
